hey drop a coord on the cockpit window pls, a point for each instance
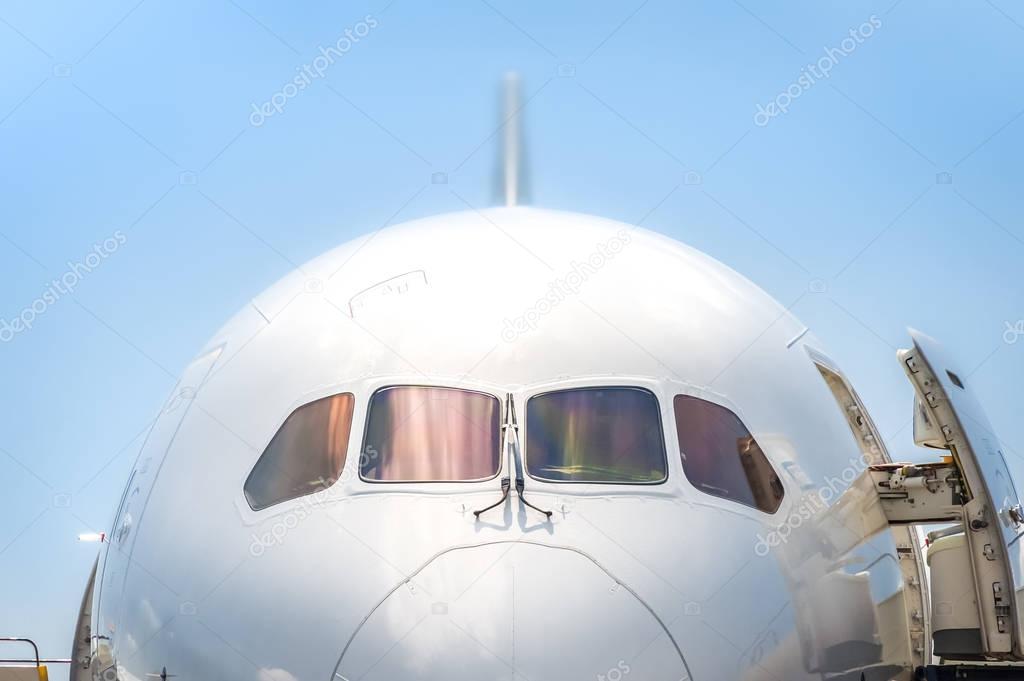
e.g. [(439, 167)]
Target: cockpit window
[(722, 458), (428, 434), (305, 456), (598, 435)]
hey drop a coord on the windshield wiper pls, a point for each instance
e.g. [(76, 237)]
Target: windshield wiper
[(520, 482), (504, 495), (505, 481), (510, 438)]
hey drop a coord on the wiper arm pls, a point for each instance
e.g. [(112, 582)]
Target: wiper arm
[(520, 481), (505, 481), (510, 440), (504, 495)]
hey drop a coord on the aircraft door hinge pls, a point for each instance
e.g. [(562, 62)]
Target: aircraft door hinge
[(1002, 606)]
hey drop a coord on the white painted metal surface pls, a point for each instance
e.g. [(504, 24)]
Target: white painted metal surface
[(401, 581), (992, 513)]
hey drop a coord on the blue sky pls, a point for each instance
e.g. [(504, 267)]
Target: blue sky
[(887, 194)]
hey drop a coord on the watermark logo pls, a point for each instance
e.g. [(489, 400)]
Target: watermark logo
[(1013, 332), (307, 505), (308, 73), (275, 536), (616, 673), (566, 286), (811, 504), (63, 285), (811, 74)]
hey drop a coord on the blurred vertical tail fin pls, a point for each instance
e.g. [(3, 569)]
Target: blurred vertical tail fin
[(511, 175)]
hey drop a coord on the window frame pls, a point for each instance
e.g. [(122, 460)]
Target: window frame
[(294, 409), (722, 404), (524, 425), (367, 406)]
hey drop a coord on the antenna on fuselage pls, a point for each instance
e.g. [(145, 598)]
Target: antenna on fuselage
[(511, 183)]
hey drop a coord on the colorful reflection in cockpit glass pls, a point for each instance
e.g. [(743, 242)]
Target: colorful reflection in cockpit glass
[(429, 434), (601, 435)]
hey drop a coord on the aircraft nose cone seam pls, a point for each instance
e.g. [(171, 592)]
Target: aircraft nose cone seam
[(370, 623)]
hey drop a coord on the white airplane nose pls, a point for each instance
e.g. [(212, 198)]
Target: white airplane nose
[(511, 611)]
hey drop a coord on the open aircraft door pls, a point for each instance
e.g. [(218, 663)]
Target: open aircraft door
[(971, 486)]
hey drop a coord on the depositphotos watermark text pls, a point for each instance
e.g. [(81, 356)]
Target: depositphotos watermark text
[(814, 73), (61, 286), (307, 73)]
